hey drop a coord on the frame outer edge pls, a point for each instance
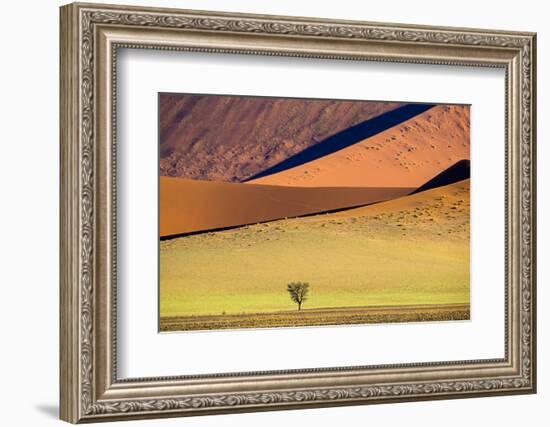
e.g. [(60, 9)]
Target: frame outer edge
[(77, 338), (533, 125), (305, 19), (69, 354)]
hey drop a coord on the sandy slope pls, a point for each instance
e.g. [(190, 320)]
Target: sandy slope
[(448, 205), (406, 155), (190, 205), (230, 138)]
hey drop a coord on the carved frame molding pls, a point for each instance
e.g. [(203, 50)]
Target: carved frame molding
[(90, 37)]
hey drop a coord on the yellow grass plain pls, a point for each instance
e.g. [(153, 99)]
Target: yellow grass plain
[(413, 250)]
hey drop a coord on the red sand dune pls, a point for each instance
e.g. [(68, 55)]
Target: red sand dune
[(406, 155), (190, 205), (230, 138)]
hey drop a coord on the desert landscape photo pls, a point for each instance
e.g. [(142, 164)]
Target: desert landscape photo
[(285, 212)]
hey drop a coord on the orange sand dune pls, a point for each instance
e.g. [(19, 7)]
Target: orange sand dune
[(189, 205), (406, 155)]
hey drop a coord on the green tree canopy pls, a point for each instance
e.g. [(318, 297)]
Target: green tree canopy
[(298, 292)]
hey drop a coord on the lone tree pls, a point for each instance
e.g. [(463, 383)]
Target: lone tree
[(298, 292)]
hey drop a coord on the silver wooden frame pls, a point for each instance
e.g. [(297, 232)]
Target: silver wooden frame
[(90, 36)]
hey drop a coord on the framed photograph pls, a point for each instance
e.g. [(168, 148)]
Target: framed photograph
[(265, 212)]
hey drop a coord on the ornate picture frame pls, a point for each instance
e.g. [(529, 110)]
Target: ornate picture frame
[(90, 37)]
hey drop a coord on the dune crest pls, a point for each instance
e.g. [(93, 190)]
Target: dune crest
[(188, 206), (406, 155)]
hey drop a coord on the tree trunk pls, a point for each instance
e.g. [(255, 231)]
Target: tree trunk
[(299, 306)]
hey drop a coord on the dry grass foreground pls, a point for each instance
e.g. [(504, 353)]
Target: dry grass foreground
[(319, 317), (408, 251)]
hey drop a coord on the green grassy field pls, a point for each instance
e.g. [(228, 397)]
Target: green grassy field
[(409, 251)]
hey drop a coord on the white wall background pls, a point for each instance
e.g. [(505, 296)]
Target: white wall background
[(29, 171)]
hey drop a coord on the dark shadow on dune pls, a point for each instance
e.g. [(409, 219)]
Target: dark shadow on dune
[(347, 137), (457, 172)]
